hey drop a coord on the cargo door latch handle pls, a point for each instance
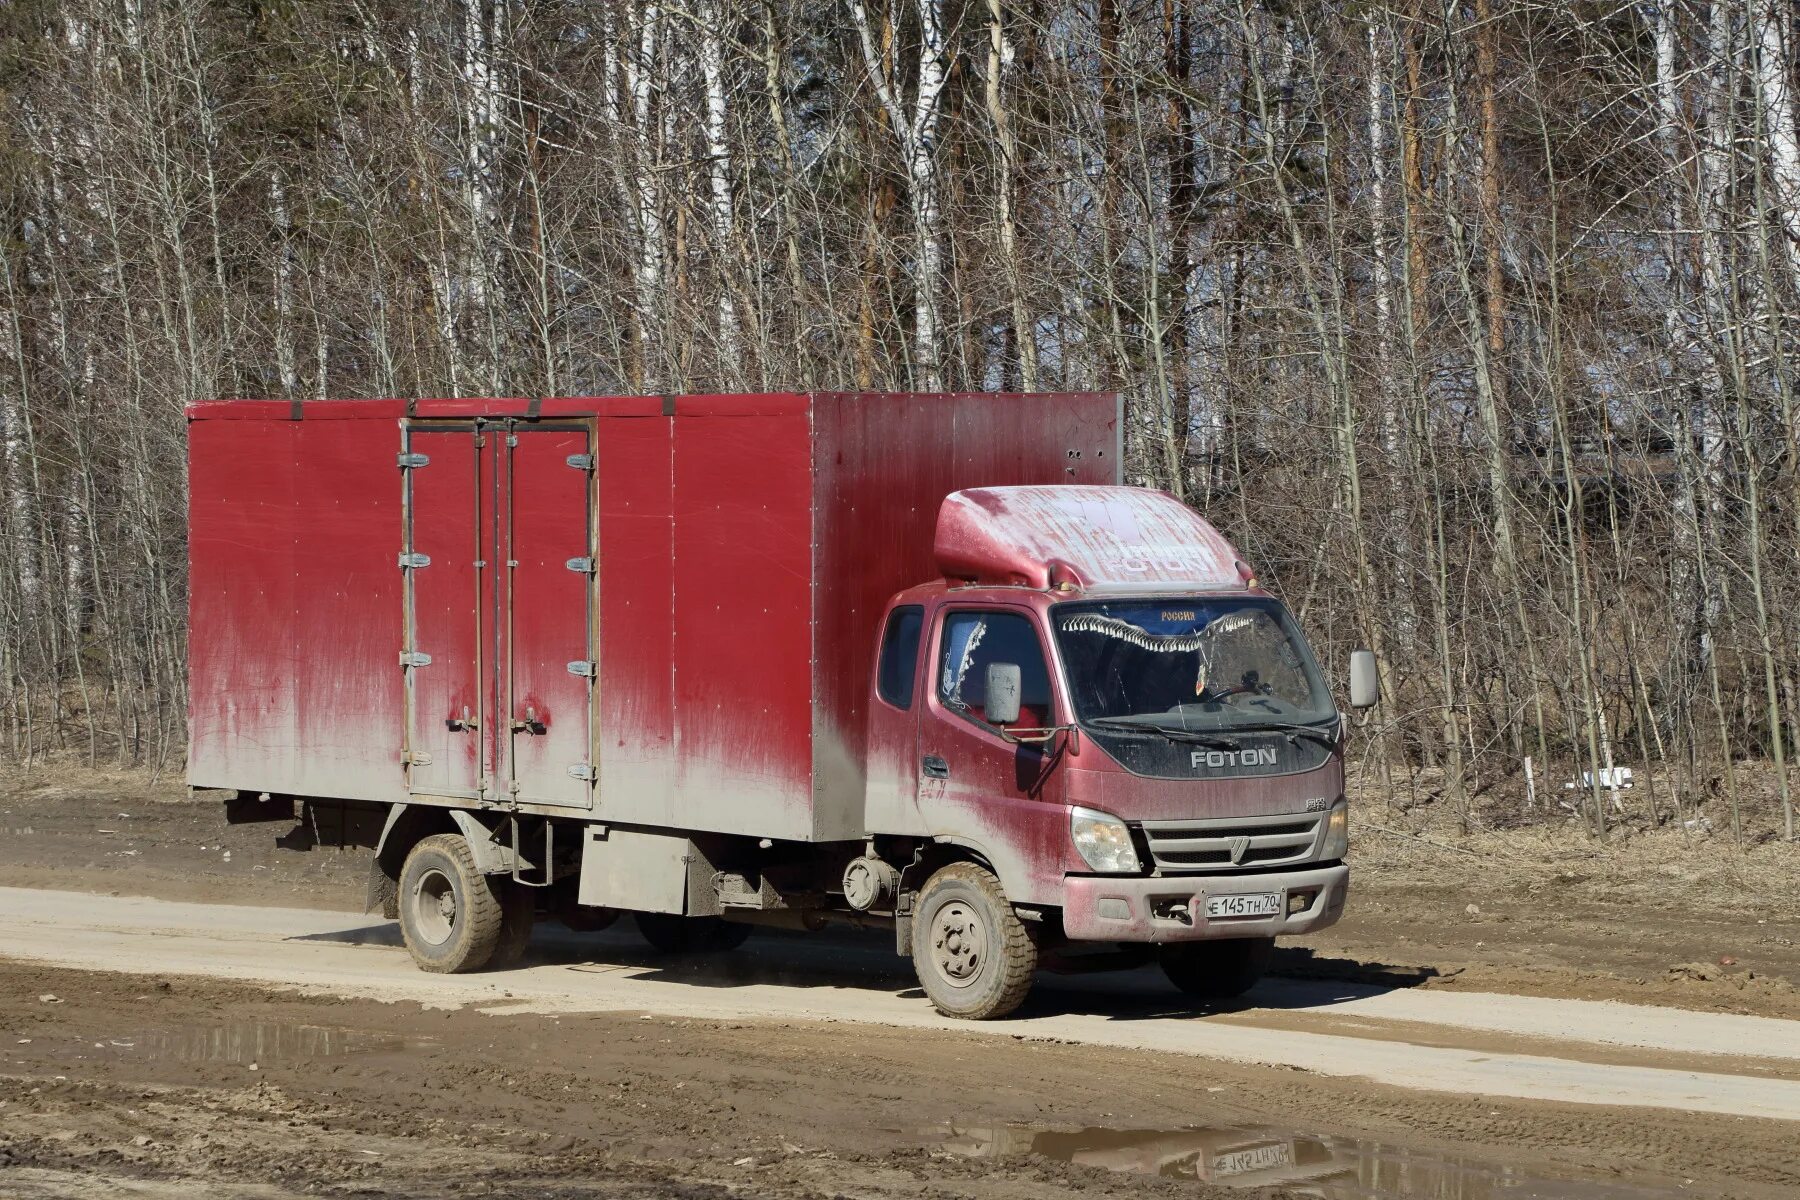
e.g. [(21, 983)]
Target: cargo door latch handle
[(936, 767)]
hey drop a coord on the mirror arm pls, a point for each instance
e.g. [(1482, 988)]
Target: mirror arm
[(1039, 735)]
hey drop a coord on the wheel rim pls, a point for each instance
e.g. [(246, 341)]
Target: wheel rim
[(958, 943), (434, 906)]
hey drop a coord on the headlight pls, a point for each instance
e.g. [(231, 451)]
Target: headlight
[(1104, 842), (1337, 833)]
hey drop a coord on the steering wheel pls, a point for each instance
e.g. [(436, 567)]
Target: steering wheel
[(1249, 684)]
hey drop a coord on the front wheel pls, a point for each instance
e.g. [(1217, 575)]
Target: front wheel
[(973, 955), (1221, 970)]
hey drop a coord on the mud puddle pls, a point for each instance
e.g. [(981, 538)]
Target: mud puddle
[(258, 1043), (1332, 1167)]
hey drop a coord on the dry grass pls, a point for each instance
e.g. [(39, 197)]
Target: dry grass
[(1664, 860)]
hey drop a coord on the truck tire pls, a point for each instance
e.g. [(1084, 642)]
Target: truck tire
[(671, 934), (586, 918), (973, 955), (1222, 970), (451, 915)]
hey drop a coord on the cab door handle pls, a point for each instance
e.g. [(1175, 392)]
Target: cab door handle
[(936, 767)]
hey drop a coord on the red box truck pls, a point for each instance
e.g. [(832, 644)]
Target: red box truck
[(715, 661)]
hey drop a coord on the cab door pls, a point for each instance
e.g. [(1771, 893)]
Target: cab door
[(893, 746), (973, 781)]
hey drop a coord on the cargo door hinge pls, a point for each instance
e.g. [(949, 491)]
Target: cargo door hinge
[(416, 758), (414, 658), (412, 561), (584, 565), (583, 771), (410, 459), (581, 462), (583, 668)]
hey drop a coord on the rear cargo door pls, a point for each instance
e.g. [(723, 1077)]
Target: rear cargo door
[(548, 672), (446, 555), (500, 570)]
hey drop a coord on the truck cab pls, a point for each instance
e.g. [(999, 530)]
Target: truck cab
[(1100, 706)]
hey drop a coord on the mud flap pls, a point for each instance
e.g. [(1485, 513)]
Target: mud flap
[(384, 884), (384, 891), (903, 924)]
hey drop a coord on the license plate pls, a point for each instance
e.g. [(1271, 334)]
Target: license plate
[(1252, 1158), (1247, 904)]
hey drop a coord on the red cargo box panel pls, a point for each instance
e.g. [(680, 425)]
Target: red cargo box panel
[(678, 597)]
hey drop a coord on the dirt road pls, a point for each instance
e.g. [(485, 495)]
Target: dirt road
[(1597, 1090), (1587, 1052), (283, 1045)]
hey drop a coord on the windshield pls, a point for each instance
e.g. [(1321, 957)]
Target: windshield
[(1202, 663)]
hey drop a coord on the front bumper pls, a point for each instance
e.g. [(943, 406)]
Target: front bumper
[(1104, 908)]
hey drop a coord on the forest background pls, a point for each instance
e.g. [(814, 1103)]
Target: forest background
[(1473, 324)]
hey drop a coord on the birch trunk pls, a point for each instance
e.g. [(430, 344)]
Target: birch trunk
[(646, 196), (1492, 228), (286, 367), (718, 154), (917, 134), (20, 538), (1381, 271), (1000, 55), (1775, 50), (484, 47)]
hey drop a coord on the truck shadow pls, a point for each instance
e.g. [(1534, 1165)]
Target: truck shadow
[(863, 961), (383, 933)]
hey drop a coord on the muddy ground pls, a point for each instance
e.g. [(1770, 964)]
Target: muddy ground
[(115, 1085), (180, 1087)]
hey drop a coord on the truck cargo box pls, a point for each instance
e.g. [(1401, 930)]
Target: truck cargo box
[(655, 611)]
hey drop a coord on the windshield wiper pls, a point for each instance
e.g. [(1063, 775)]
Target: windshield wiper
[(1200, 738), (1327, 736)]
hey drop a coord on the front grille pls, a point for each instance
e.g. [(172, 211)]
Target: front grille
[(1187, 846)]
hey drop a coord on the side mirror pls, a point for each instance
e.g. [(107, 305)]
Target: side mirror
[(1002, 693), (1365, 679)]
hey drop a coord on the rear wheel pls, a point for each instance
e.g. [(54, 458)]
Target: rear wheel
[(451, 915), (586, 918), (673, 934), (973, 955), (564, 905), (1221, 970)]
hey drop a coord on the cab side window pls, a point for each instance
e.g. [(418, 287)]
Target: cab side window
[(899, 665), (972, 640)]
